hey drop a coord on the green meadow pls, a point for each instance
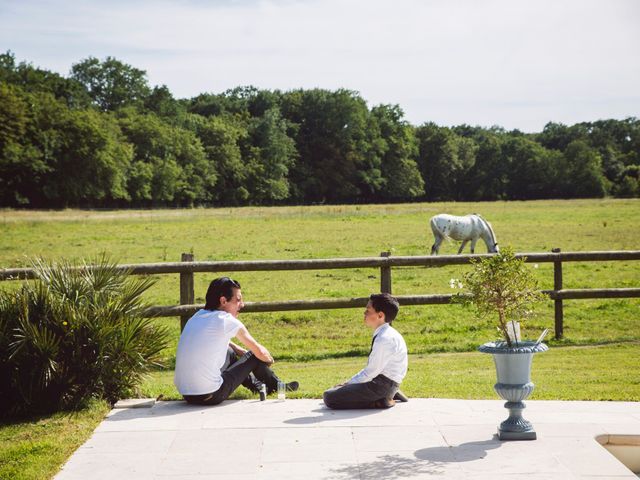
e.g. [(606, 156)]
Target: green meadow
[(599, 358), (350, 231), (253, 233)]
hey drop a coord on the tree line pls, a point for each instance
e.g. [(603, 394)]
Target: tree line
[(103, 137)]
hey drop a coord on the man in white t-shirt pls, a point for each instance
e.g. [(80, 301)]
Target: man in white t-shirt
[(209, 366), (376, 385)]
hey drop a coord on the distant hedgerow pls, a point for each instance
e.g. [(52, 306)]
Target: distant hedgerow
[(74, 333)]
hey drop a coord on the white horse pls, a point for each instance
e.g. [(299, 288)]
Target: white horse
[(469, 227)]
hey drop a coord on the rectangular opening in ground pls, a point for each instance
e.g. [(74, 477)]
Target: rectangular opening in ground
[(626, 448)]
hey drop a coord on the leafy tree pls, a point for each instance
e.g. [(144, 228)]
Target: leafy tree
[(239, 100), (630, 143), (140, 180), (111, 83), (629, 187), (629, 183), (438, 161), (62, 157), (221, 137), (558, 136), (21, 164), (618, 143), (179, 172), (402, 179), (583, 177), (534, 170), (335, 162), (161, 102), (612, 163), (89, 166), (468, 131), (263, 101), (252, 146), (467, 150), (488, 177), (207, 105), (13, 115), (445, 159), (248, 142), (269, 153), (32, 79)]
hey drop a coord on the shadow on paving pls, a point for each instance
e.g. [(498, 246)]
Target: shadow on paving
[(465, 452), (427, 461), (327, 415)]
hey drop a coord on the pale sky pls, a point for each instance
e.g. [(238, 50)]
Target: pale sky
[(513, 63)]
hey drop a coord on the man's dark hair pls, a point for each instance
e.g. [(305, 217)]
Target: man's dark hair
[(386, 303), (220, 287)]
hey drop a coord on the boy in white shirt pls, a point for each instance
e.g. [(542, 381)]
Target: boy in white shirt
[(209, 367), (376, 385)]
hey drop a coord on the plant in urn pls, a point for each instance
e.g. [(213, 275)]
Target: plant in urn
[(503, 288)]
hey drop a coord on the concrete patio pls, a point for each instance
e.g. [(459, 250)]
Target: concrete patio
[(301, 439)]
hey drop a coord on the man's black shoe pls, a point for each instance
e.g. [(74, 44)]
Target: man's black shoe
[(400, 397), (292, 386)]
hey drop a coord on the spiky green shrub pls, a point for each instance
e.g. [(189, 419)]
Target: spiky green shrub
[(74, 333)]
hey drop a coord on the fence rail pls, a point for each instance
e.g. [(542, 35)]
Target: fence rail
[(187, 267)]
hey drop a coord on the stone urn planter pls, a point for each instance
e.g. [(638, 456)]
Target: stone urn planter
[(501, 288), (513, 369)]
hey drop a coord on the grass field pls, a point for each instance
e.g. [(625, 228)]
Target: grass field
[(604, 372), (36, 448), (351, 231), (599, 359)]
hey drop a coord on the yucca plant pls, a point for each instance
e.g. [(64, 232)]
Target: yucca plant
[(77, 331)]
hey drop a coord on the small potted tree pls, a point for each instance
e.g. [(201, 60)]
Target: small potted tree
[(503, 288)]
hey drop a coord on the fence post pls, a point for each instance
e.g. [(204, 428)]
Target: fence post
[(385, 276), (557, 285), (187, 293)]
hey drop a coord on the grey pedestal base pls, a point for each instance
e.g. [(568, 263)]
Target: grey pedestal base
[(515, 427), (504, 435)]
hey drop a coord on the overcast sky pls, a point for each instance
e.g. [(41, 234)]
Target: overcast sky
[(517, 64)]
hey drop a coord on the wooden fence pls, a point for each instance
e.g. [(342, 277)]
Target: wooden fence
[(187, 267)]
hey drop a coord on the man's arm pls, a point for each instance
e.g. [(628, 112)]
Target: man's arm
[(237, 349), (258, 350)]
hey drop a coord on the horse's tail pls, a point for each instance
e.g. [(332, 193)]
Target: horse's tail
[(437, 232)]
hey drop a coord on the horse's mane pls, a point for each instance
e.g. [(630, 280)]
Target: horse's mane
[(493, 235)]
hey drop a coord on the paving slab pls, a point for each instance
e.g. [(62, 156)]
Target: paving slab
[(135, 403), (303, 440)]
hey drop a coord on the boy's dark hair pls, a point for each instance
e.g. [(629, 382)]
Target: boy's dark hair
[(386, 303), (220, 287)]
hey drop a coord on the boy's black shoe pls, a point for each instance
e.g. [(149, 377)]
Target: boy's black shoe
[(292, 386)]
